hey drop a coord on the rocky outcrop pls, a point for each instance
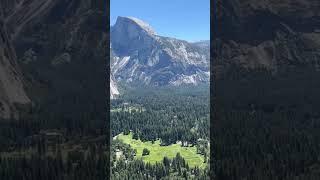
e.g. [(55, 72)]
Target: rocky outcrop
[(142, 56), (275, 35), (19, 13), (61, 46), (114, 92), (12, 91)]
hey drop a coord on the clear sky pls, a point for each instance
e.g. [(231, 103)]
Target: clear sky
[(183, 19)]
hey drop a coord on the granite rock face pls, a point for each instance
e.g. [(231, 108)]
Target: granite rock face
[(61, 47), (275, 35), (140, 56), (12, 90), (114, 92)]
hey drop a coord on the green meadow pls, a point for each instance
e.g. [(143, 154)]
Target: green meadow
[(157, 152)]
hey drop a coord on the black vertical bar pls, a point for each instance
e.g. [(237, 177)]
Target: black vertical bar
[(108, 140), (213, 32)]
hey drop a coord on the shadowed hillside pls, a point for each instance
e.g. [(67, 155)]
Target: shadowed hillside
[(266, 68), (57, 51)]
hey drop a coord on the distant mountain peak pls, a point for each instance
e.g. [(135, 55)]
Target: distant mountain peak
[(138, 55), (202, 43), (135, 21)]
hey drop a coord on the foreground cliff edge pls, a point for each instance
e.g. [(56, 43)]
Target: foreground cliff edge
[(12, 91)]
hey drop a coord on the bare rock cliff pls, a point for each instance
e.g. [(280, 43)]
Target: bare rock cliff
[(275, 35), (11, 84)]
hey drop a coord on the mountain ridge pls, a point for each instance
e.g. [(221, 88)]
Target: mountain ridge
[(139, 55), (266, 35)]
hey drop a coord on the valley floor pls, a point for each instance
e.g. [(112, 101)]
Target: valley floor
[(158, 152)]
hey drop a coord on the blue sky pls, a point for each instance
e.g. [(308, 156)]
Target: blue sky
[(183, 19)]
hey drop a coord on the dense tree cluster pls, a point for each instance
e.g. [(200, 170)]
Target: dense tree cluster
[(266, 124), (169, 114), (145, 152), (76, 165), (28, 145)]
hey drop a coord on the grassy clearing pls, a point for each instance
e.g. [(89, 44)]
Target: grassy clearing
[(157, 152)]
